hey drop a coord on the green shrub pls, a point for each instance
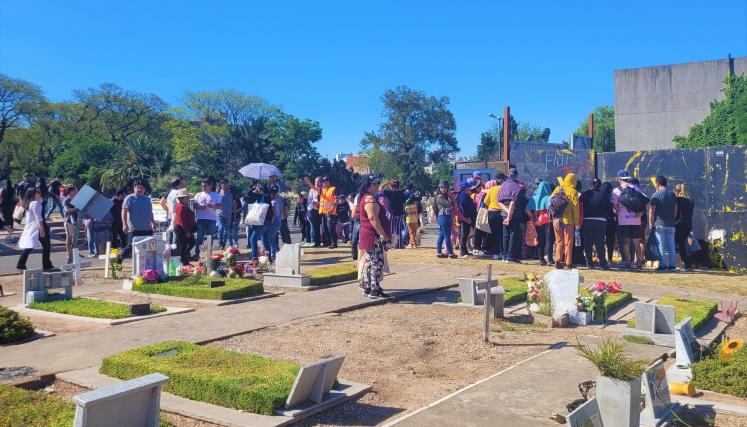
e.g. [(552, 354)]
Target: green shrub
[(27, 408), (197, 287), (611, 361), (728, 377), (333, 274), (87, 307), (701, 311), (13, 327), (638, 339), (221, 377)]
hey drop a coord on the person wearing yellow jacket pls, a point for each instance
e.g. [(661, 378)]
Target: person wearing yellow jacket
[(567, 225)]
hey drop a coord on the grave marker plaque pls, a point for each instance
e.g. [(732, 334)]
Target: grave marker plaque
[(657, 398), (684, 343), (586, 415), (148, 255), (563, 286)]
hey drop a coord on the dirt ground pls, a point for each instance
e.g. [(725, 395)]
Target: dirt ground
[(412, 354)]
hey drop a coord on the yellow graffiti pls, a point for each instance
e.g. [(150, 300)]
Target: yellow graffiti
[(726, 172), (632, 158), (567, 151), (653, 181), (739, 235)]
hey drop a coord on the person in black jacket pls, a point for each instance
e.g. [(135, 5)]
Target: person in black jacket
[(299, 217), (683, 223), (119, 238), (597, 207)]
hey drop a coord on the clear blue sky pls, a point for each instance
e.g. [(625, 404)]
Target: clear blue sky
[(551, 61)]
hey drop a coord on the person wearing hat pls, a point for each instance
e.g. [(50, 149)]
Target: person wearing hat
[(467, 213), (443, 210), (184, 225), (629, 223)]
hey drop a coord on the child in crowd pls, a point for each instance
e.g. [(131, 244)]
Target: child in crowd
[(413, 209)]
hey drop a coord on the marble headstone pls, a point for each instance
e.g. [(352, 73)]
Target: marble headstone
[(148, 255), (37, 283), (288, 259), (586, 415), (656, 387), (684, 341), (314, 380), (563, 286), (135, 402), (654, 318)]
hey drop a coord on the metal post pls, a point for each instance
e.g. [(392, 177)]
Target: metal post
[(506, 132), (76, 235), (591, 125), (487, 304)]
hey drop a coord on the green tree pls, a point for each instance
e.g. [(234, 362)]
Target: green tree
[(417, 130), (604, 128), (85, 159), (20, 101), (529, 132), (139, 157), (727, 122), (292, 142)]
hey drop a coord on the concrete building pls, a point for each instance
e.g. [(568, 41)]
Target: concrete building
[(655, 104)]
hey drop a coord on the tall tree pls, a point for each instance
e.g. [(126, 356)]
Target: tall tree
[(604, 128), (417, 130), (292, 142), (20, 101)]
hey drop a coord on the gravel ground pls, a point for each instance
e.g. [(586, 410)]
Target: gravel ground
[(412, 354)]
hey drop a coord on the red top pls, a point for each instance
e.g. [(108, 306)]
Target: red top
[(368, 233), (185, 218)]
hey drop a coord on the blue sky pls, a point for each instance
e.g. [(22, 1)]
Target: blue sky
[(552, 62)]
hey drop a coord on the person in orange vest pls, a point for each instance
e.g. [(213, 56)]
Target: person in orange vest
[(327, 209)]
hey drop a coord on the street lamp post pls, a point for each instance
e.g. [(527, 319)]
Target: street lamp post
[(500, 130)]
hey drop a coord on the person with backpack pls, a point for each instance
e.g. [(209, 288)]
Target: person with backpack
[(467, 213), (661, 213), (495, 219), (539, 206), (596, 209), (629, 203), (683, 224), (509, 194), (565, 211), (443, 210)]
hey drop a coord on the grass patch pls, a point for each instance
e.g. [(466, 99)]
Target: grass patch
[(700, 310), (515, 290), (28, 408), (13, 327), (638, 339), (333, 274), (86, 307), (221, 377), (197, 287), (728, 377)]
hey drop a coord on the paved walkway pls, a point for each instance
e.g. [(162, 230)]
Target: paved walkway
[(81, 350)]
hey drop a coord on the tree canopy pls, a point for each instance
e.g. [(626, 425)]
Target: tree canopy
[(604, 128)]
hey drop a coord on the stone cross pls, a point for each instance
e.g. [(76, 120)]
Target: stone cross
[(656, 387), (563, 286), (76, 265), (288, 259), (684, 341), (107, 259), (135, 402)]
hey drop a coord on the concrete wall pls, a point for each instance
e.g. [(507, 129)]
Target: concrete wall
[(654, 104)]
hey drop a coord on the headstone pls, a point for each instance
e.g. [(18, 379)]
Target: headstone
[(288, 259), (37, 283), (586, 415), (314, 381), (656, 387), (216, 283), (654, 321), (468, 286), (131, 403), (684, 342), (148, 255), (563, 286), (92, 202)]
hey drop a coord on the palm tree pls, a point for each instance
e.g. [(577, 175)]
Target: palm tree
[(138, 157)]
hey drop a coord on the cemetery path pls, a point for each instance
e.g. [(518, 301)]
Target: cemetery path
[(67, 352)]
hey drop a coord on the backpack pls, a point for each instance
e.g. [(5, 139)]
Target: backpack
[(633, 200), (558, 203)]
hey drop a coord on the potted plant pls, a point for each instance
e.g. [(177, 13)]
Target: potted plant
[(584, 305), (534, 286), (618, 385), (599, 292)]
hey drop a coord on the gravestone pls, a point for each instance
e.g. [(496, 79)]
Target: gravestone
[(92, 203), (37, 283), (312, 386), (473, 294), (684, 343), (148, 255), (658, 402), (563, 286), (75, 266), (655, 322), (288, 268), (131, 403), (586, 415)]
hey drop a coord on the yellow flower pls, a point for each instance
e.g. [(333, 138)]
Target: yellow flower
[(729, 347), (138, 281), (531, 277), (115, 251)]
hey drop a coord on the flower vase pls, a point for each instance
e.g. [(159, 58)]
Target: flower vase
[(619, 401), (599, 313), (581, 318)]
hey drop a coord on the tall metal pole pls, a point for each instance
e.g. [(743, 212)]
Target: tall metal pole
[(506, 128), (591, 125)]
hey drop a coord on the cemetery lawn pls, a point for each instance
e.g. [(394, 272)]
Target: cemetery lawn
[(515, 290), (13, 327), (28, 408), (87, 307), (333, 274), (207, 374), (197, 287), (701, 311)]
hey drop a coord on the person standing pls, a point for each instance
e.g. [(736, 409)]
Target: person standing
[(26, 183), (443, 211), (568, 224), (396, 210), (355, 233), (185, 226), (597, 207), (327, 210), (206, 205), (662, 213), (168, 203), (299, 217), (683, 223), (315, 219), (512, 216), (7, 205), (468, 214), (35, 231), (226, 216), (274, 225), (539, 206), (495, 218), (71, 219), (374, 239), (119, 238), (137, 217), (629, 223), (54, 196), (413, 209), (611, 234)]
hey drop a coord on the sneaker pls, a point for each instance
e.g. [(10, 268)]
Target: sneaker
[(365, 292), (673, 269), (453, 256), (497, 257), (92, 255), (441, 256), (513, 261), (379, 295), (558, 265)]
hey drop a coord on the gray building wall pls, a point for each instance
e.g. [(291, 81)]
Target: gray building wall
[(654, 104)]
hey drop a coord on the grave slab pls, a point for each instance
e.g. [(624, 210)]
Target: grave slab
[(215, 302), (655, 322), (658, 403), (684, 343), (29, 312), (136, 402), (288, 268)]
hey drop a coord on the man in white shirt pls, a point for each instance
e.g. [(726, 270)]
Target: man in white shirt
[(313, 212), (207, 203), (168, 203)]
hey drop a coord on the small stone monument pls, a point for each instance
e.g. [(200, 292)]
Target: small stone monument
[(658, 403), (312, 387), (288, 268), (75, 266), (131, 403), (586, 415), (148, 255), (655, 322), (473, 294), (563, 286), (684, 343), (37, 283)]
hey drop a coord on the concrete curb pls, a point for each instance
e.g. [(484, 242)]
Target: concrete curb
[(215, 302), (112, 322)]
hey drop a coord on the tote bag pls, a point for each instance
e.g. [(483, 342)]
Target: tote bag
[(256, 214), (482, 220), (531, 235), (19, 213)]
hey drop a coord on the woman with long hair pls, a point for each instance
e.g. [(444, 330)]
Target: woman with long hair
[(7, 205), (683, 223), (35, 231), (375, 236), (443, 210)]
